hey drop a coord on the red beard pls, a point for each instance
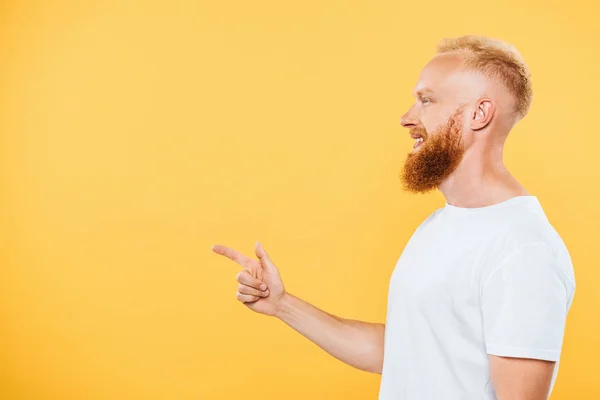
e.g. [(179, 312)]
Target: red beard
[(437, 157)]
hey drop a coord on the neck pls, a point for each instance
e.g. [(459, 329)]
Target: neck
[(481, 179)]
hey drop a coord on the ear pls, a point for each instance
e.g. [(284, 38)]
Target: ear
[(484, 112)]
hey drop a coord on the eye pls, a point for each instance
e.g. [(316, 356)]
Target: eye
[(425, 100)]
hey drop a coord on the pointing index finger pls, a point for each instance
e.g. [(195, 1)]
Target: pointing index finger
[(231, 254)]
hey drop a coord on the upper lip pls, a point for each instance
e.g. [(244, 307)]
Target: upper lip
[(416, 135)]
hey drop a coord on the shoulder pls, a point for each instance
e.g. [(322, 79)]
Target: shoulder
[(521, 227), (528, 243)]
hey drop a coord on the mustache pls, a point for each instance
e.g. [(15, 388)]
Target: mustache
[(419, 130)]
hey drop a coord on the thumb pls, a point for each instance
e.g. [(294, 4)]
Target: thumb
[(264, 258)]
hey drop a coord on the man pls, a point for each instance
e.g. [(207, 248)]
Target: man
[(478, 299)]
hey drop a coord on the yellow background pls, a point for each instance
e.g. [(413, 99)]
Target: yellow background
[(135, 135)]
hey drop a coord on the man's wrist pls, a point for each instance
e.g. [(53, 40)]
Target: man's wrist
[(283, 305)]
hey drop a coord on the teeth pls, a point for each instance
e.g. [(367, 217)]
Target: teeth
[(419, 139)]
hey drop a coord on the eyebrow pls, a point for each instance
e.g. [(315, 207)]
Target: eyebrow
[(421, 92)]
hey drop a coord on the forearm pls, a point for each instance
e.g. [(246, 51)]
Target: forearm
[(357, 343)]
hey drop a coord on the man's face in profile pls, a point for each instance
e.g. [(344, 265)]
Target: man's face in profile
[(435, 122)]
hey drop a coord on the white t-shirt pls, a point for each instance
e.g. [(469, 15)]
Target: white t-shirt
[(472, 282)]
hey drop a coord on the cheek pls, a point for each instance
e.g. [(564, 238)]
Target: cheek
[(431, 126), (431, 121)]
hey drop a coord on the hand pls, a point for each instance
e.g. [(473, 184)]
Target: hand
[(252, 278)]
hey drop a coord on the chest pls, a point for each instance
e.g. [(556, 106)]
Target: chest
[(438, 272)]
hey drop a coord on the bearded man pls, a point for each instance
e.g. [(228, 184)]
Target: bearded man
[(478, 299)]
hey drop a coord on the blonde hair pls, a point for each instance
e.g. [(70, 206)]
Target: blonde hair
[(498, 60)]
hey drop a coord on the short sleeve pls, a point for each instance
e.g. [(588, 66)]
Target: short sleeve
[(525, 303)]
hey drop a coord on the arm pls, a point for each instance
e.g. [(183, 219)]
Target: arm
[(357, 343), (525, 302), (521, 378)]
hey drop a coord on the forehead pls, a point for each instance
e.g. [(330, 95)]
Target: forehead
[(442, 74)]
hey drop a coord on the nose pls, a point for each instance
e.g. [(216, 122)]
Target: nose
[(409, 120)]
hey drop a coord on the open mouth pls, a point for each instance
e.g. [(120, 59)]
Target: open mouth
[(418, 141)]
